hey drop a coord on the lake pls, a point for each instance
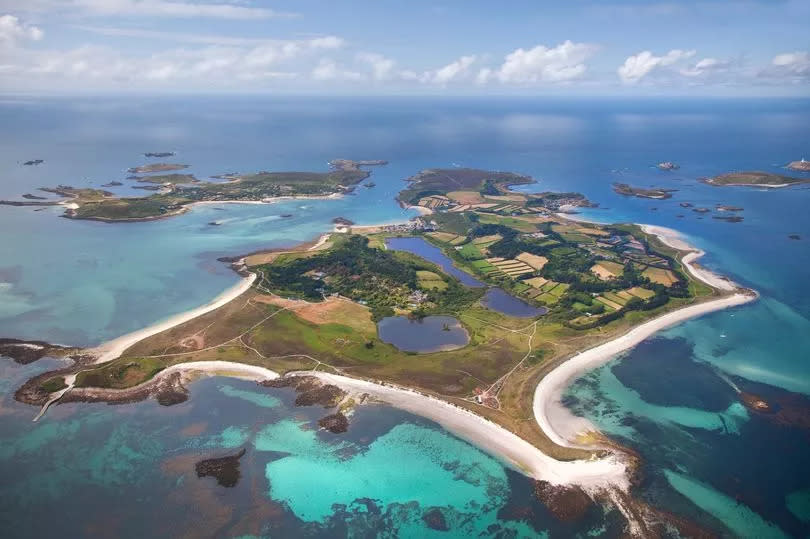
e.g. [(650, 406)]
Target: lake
[(429, 334), (498, 300), (420, 247)]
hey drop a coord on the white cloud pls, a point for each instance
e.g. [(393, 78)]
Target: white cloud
[(329, 70), (223, 9), (793, 63), (324, 42), (382, 68), (705, 67), (542, 64), (638, 66), (209, 66), (452, 72), (12, 31)]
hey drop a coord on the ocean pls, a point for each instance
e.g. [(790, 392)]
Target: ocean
[(97, 469)]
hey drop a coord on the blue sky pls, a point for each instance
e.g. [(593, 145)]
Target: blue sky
[(575, 47)]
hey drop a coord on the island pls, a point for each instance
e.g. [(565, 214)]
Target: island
[(457, 190), (167, 179), (754, 179), (668, 165), (175, 193), (159, 154), (801, 166), (641, 192), (156, 167), (477, 316)]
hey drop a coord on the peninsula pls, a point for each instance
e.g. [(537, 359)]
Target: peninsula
[(180, 191), (754, 179), (527, 299)]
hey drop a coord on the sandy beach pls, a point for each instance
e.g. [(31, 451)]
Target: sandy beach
[(114, 348), (554, 418), (492, 438), (556, 421)]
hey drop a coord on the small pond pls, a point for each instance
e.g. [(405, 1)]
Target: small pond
[(430, 334), (420, 247), (498, 300)]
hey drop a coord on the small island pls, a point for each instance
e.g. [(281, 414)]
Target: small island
[(754, 179), (175, 193), (668, 165), (33, 162), (156, 167), (467, 189), (801, 166), (159, 154), (641, 192)]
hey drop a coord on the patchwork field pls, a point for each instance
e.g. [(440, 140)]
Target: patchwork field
[(510, 267), (429, 280), (606, 270), (639, 292), (660, 276), (535, 261), (465, 197)]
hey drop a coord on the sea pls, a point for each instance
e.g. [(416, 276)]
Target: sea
[(89, 470)]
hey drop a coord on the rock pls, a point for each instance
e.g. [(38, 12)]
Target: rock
[(434, 518), (342, 221), (567, 503), (335, 423), (668, 165), (224, 469), (794, 237)]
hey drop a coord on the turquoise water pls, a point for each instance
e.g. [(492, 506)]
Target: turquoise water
[(670, 399)]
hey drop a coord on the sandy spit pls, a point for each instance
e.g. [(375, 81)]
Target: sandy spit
[(113, 349)]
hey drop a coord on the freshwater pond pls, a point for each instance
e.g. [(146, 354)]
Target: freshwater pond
[(429, 334)]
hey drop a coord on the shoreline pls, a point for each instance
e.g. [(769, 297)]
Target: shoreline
[(112, 349), (558, 423), (553, 418)]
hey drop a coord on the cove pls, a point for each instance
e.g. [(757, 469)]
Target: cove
[(430, 334)]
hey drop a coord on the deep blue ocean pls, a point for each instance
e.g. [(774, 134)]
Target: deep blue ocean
[(89, 470)]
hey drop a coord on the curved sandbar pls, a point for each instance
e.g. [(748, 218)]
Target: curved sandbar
[(113, 349), (491, 437), (554, 418)]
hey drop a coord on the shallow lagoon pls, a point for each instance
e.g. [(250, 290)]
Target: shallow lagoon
[(429, 334)]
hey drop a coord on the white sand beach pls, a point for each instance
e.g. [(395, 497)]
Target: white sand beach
[(556, 421), (114, 348), (559, 424)]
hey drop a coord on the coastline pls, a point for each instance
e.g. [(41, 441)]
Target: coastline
[(112, 349), (554, 418)]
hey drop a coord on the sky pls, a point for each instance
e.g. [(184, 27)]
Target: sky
[(406, 47)]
